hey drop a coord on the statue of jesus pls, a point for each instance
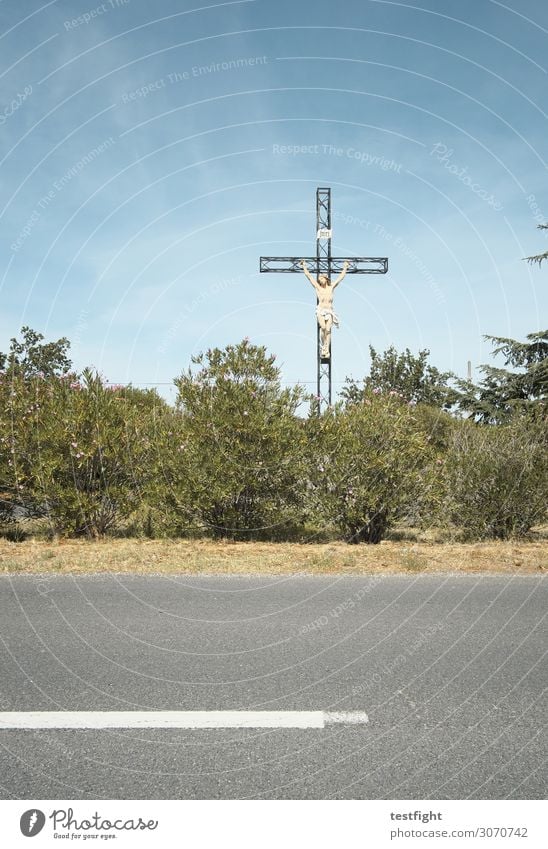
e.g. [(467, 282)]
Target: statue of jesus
[(324, 310)]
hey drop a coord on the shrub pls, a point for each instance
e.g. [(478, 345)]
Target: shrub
[(76, 451), (496, 478), (229, 458), (367, 462)]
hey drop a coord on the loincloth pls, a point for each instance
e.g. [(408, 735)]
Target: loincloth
[(323, 312)]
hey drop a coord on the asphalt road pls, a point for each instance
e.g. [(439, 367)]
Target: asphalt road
[(450, 670)]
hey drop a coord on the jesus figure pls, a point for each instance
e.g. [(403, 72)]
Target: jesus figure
[(324, 310)]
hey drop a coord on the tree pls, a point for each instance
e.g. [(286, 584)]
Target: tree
[(505, 391), (30, 358), (404, 373), (539, 258), (231, 460)]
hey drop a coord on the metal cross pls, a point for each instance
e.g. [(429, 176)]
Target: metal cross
[(324, 263)]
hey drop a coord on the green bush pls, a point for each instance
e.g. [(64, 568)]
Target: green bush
[(229, 458), (75, 451), (234, 459), (496, 478), (366, 464)]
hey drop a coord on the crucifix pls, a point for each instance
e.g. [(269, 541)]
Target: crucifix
[(324, 265)]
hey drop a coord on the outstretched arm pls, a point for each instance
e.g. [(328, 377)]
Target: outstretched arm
[(308, 274), (341, 275)]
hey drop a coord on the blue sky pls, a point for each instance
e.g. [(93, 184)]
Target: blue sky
[(150, 153)]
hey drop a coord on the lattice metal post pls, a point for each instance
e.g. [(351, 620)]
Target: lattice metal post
[(323, 266)]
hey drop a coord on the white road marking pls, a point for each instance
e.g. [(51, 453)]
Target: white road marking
[(351, 717), (179, 719)]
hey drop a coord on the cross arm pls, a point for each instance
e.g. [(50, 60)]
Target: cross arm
[(356, 265)]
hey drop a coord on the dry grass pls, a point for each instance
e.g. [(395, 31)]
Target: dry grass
[(186, 556)]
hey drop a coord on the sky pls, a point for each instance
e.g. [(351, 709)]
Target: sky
[(150, 153)]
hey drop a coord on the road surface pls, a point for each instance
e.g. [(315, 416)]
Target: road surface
[(449, 669)]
